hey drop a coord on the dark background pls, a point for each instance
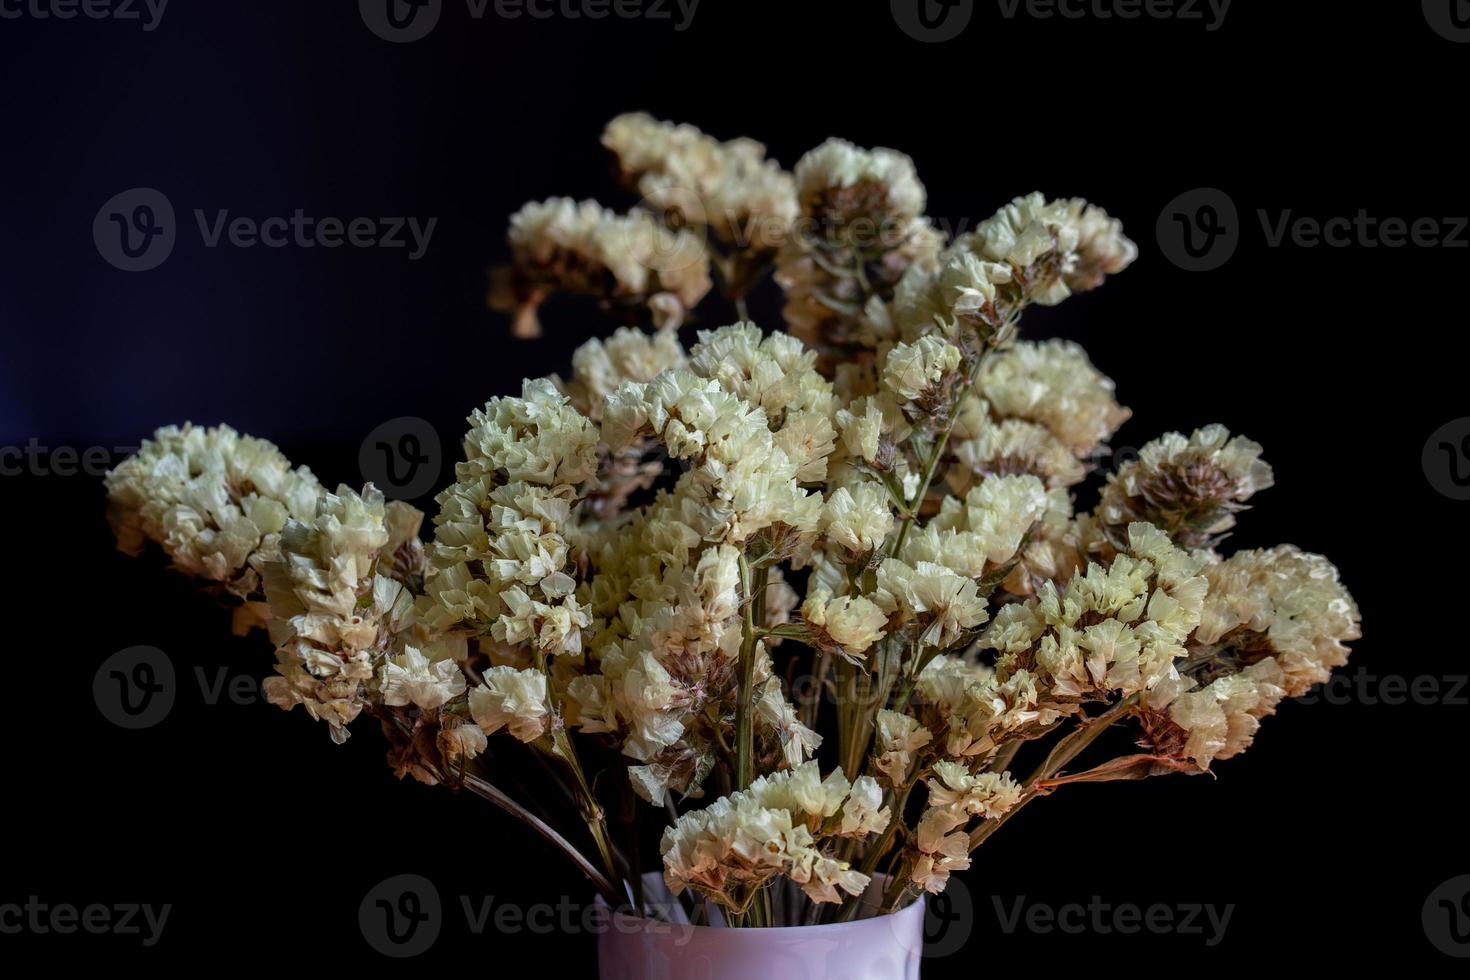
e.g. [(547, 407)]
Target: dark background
[(1327, 837)]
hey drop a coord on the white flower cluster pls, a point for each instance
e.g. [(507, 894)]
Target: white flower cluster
[(1111, 631), (341, 625), (215, 502), (776, 826), (861, 228), (1282, 618), (614, 571), (731, 188), (955, 796), (1030, 251), (623, 260), (1191, 487)]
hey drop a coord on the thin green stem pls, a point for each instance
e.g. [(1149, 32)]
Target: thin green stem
[(752, 587)]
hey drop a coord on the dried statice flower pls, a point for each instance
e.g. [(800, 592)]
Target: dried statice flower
[(511, 699), (1054, 385), (1191, 487), (1114, 631), (610, 576), (599, 368), (983, 531), (1030, 251), (974, 710), (848, 625), (956, 795), (1282, 602), (1274, 624), (898, 741), (861, 228), (777, 826), (746, 200), (215, 502), (333, 617), (630, 263), (498, 559)]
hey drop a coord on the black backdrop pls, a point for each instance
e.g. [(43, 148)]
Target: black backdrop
[(1327, 838)]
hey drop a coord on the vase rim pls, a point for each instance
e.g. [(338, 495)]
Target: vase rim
[(827, 927)]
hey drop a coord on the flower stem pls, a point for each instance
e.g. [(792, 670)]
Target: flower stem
[(1062, 753), (752, 587)]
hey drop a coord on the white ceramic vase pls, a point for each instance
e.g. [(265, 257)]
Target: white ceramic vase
[(884, 947)]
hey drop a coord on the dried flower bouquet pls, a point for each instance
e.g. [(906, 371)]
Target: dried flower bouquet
[(614, 572)]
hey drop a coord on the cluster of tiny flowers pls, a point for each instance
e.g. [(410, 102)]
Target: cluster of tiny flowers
[(729, 187), (1030, 251), (1111, 631), (631, 263), (860, 229), (694, 578), (1192, 487), (215, 502), (1274, 624), (956, 795), (333, 617), (778, 825)]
